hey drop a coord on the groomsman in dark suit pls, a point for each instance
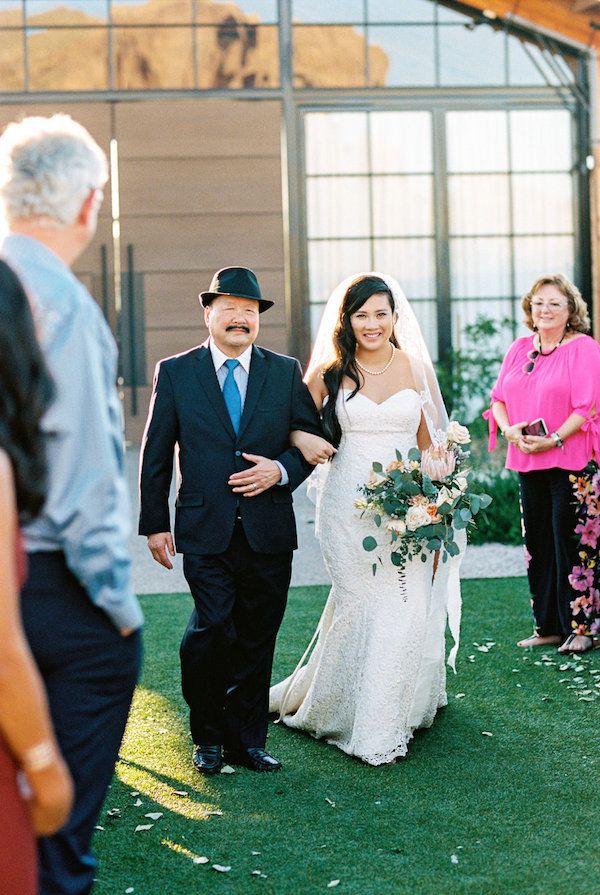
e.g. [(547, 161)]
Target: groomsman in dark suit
[(228, 408)]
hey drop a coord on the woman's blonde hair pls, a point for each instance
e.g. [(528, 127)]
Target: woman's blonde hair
[(579, 318)]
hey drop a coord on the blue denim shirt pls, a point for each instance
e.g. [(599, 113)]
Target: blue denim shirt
[(87, 513)]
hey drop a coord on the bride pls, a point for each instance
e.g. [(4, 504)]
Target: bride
[(376, 672)]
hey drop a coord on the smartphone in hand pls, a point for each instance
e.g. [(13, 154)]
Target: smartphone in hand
[(536, 427)]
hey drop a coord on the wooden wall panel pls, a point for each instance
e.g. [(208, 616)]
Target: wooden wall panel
[(200, 185), (198, 128), (231, 185), (205, 242)]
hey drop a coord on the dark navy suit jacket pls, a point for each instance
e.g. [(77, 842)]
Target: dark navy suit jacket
[(188, 412)]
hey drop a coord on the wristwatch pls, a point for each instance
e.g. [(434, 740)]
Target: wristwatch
[(557, 439)]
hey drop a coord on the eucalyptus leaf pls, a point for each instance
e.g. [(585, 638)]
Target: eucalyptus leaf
[(396, 559), (377, 467), (414, 454), (369, 543)]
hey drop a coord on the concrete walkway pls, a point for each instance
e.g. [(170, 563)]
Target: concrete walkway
[(486, 561)]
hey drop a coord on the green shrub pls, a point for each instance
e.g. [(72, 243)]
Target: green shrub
[(467, 374), (501, 523)]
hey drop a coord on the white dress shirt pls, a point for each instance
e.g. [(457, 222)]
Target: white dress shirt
[(240, 374)]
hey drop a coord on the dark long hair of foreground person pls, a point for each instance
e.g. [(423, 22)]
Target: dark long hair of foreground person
[(26, 391)]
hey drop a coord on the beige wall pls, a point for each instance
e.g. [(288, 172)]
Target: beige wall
[(200, 185), (200, 189)]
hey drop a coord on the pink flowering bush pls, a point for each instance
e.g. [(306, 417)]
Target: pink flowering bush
[(585, 577)]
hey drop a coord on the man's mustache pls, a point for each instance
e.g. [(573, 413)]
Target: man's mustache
[(244, 329)]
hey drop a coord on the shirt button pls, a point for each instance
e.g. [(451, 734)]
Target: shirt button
[(238, 453)]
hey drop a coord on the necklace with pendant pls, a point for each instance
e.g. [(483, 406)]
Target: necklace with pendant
[(546, 353), (376, 372)]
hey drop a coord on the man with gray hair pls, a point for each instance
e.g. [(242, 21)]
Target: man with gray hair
[(80, 615)]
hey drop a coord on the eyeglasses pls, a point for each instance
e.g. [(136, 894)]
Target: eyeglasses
[(548, 305), (532, 356)]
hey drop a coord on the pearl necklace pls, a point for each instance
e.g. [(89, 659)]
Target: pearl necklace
[(376, 372)]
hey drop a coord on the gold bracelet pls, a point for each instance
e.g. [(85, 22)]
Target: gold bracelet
[(39, 757)]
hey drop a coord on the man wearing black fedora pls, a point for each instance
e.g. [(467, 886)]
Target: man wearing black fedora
[(228, 407)]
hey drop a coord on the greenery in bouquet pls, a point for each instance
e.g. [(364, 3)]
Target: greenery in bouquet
[(585, 577), (418, 502)]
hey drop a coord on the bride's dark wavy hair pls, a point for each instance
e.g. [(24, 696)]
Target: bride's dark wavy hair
[(26, 390), (344, 344)]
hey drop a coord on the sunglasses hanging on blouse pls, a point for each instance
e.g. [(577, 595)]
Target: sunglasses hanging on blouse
[(533, 355)]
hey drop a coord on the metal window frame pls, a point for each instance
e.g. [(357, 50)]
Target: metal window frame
[(438, 103)]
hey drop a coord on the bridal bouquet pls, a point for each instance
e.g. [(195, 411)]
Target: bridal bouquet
[(418, 502)]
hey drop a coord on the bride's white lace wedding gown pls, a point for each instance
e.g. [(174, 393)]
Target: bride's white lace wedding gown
[(377, 670)]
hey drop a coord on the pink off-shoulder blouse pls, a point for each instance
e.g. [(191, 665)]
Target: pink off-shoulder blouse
[(564, 382)]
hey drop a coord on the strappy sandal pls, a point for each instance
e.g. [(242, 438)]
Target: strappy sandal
[(591, 645)]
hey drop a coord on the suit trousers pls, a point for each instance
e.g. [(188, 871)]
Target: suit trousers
[(227, 649), (550, 517), (90, 672)]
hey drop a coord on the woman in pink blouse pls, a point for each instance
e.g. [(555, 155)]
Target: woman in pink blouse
[(553, 375)]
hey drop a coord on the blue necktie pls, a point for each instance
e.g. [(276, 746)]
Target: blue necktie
[(231, 394)]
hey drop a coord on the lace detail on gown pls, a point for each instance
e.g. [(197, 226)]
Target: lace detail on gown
[(377, 670)]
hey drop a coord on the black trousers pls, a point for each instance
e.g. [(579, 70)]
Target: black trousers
[(227, 649), (90, 673), (549, 517)]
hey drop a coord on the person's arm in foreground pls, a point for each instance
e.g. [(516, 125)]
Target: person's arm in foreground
[(24, 718)]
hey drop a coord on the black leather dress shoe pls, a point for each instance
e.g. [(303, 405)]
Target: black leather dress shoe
[(254, 758), (207, 759)]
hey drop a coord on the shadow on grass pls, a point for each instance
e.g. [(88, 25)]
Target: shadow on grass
[(463, 813)]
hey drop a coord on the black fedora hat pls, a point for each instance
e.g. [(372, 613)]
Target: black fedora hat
[(239, 282)]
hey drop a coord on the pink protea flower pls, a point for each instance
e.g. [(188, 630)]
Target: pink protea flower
[(438, 463), (581, 579)]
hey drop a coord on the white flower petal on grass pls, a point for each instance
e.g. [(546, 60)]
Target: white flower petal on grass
[(221, 868), (227, 769), (129, 890), (255, 853), (180, 792), (153, 815), (142, 827), (460, 695), (333, 884), (113, 812), (454, 859), (215, 812), (330, 802), (486, 733), (200, 859), (134, 794), (98, 827), (137, 803)]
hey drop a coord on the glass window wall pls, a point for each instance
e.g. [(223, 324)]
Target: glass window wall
[(234, 45), (505, 204)]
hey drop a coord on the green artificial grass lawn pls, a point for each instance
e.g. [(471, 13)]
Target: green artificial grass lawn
[(514, 812)]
